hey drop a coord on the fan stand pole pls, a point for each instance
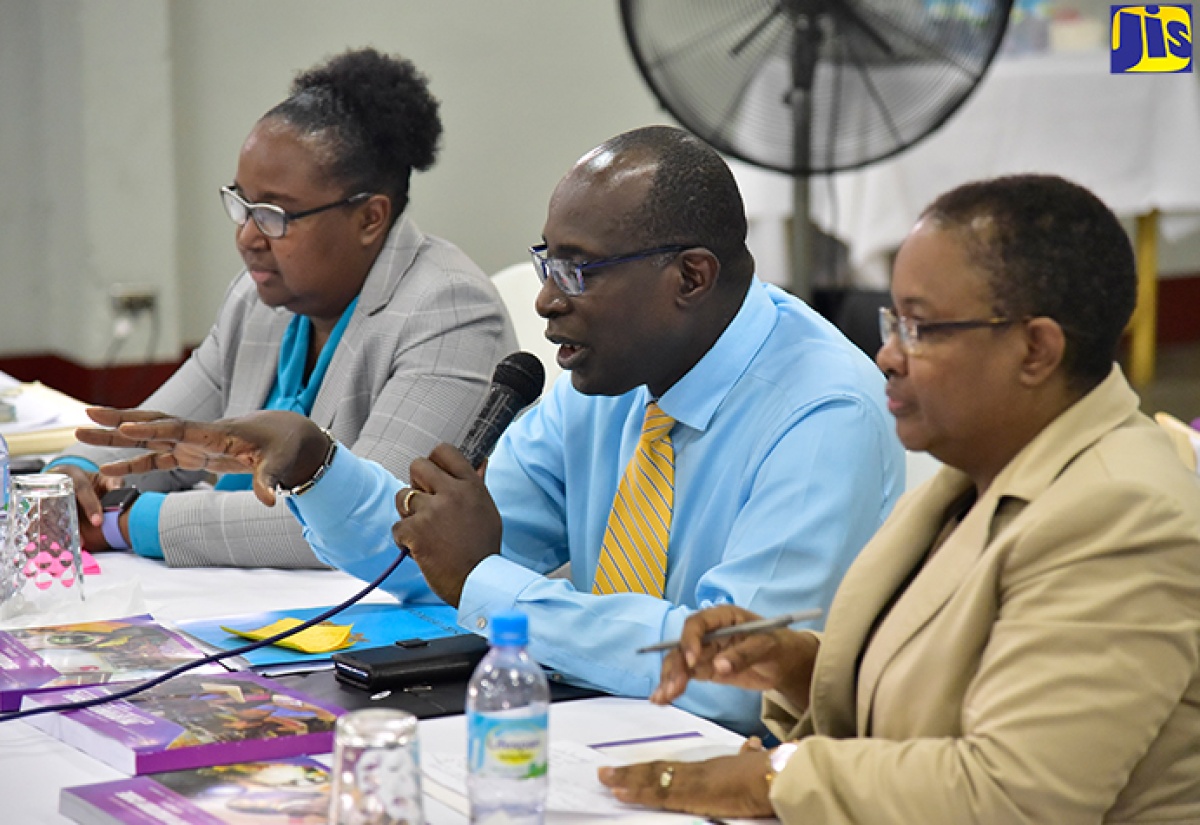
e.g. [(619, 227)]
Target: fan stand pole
[(805, 46), (803, 252)]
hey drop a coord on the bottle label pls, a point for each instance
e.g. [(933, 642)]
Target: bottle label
[(507, 746)]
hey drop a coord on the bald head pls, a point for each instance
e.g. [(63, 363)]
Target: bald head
[(666, 208), (689, 195)]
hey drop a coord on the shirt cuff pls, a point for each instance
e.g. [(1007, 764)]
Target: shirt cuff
[(143, 525), (74, 461), (331, 493), (353, 496), (492, 587)]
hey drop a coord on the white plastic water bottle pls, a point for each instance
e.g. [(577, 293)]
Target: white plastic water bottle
[(508, 703)]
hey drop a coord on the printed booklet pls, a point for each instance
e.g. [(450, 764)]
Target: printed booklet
[(38, 659), (191, 721), (284, 791)]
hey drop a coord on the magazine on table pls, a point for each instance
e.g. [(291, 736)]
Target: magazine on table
[(191, 721), (131, 649), (292, 791)]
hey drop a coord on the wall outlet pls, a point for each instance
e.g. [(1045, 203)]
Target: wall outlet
[(133, 299)]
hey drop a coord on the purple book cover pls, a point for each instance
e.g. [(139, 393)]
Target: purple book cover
[(37, 659), (192, 721), (291, 791)]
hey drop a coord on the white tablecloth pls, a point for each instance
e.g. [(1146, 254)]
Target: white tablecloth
[(1134, 140), (34, 767)]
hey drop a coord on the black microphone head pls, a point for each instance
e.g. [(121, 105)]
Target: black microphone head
[(522, 373)]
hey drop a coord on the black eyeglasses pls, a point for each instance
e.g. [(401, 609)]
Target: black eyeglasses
[(568, 275), (270, 219), (912, 334)]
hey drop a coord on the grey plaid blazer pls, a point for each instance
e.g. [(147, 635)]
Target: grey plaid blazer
[(410, 372)]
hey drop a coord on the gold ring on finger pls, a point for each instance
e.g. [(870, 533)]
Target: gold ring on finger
[(406, 504)]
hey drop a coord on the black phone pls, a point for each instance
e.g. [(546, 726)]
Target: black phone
[(410, 662), (24, 464)]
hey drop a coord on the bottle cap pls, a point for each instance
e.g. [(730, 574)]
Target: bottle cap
[(510, 629)]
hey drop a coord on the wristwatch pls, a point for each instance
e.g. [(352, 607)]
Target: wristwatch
[(115, 502), (301, 489)]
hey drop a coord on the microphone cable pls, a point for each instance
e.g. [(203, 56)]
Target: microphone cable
[(210, 659), (517, 382)]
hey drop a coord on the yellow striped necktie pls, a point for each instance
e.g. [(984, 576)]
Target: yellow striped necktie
[(633, 557)]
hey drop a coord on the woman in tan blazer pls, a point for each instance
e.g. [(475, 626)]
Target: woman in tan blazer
[(1020, 642)]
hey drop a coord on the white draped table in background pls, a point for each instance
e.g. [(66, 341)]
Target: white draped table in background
[(1134, 140)]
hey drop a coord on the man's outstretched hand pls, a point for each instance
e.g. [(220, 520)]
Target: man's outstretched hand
[(281, 449)]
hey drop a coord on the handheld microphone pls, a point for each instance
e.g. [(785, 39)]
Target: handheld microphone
[(516, 383)]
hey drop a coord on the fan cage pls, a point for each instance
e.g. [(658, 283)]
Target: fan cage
[(884, 73)]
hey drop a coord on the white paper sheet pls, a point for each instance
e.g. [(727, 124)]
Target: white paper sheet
[(574, 787), (39, 408)]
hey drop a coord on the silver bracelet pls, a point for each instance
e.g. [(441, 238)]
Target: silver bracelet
[(301, 489)]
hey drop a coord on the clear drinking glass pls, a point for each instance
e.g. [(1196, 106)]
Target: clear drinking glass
[(376, 769), (41, 552)]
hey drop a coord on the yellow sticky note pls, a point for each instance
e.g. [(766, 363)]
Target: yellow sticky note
[(321, 638)]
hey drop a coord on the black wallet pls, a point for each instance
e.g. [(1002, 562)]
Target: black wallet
[(410, 662)]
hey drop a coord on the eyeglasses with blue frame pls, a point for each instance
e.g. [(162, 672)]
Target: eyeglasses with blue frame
[(568, 275)]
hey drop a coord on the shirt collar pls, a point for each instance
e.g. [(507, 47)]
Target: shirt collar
[(694, 399), (1041, 461), (291, 391)]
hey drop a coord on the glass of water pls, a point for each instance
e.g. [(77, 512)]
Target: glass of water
[(41, 552), (376, 769)]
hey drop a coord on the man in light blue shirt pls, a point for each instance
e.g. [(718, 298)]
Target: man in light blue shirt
[(785, 461)]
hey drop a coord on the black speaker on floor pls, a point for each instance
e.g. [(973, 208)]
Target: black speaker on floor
[(855, 312)]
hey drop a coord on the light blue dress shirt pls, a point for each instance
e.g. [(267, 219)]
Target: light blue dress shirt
[(785, 464)]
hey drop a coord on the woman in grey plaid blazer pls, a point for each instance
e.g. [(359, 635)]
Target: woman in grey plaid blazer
[(345, 312)]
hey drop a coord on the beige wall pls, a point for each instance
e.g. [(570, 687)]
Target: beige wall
[(86, 170), (526, 87), (162, 93), (121, 118)]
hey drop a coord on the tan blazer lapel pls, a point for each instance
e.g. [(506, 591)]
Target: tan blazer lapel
[(930, 589), (1025, 477), (878, 572)]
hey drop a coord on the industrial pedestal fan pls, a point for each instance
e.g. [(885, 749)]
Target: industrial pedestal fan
[(810, 87)]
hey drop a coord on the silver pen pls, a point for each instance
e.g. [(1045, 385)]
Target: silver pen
[(756, 626)]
